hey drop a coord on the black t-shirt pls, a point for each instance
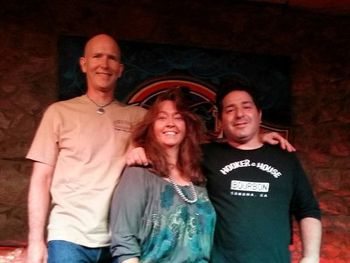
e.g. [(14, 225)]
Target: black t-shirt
[(254, 193)]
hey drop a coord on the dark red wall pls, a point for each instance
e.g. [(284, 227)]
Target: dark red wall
[(317, 44)]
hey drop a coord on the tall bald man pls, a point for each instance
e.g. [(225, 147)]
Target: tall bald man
[(78, 154)]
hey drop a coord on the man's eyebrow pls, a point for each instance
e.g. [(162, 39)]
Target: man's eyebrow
[(243, 102), (229, 106), (114, 56)]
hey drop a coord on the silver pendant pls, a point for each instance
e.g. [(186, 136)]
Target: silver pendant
[(100, 111)]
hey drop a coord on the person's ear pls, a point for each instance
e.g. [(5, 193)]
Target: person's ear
[(121, 70), (82, 62), (260, 115)]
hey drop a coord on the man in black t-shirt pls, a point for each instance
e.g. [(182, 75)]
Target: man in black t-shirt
[(256, 188)]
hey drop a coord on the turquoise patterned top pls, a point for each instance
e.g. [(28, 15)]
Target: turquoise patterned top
[(149, 220)]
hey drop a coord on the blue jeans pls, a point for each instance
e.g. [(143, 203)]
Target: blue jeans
[(67, 252)]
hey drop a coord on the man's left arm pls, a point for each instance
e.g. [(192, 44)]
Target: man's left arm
[(311, 233)]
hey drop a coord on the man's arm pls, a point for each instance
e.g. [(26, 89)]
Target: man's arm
[(311, 233), (136, 156), (38, 210), (275, 138)]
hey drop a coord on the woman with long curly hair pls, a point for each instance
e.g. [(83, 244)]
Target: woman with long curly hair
[(162, 213)]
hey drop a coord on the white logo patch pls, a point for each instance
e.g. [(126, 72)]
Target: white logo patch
[(250, 186)]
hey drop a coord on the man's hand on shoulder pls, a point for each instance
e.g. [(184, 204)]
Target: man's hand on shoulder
[(136, 156), (275, 138)]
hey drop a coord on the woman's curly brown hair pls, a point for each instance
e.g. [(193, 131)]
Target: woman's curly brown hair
[(189, 159)]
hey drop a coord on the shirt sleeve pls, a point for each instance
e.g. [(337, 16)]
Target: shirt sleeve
[(304, 203), (127, 208), (45, 147)]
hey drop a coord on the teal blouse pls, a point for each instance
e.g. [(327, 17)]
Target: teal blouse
[(149, 220)]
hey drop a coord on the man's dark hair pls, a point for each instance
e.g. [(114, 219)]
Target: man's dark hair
[(235, 84)]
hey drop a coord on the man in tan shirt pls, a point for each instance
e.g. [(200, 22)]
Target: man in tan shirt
[(78, 154)]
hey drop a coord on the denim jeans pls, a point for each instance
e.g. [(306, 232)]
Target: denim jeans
[(67, 252)]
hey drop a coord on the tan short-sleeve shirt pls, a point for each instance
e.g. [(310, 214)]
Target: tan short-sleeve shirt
[(87, 150)]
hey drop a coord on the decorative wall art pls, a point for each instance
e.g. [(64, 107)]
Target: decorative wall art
[(151, 68)]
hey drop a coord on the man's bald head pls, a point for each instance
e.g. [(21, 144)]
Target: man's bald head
[(102, 38)]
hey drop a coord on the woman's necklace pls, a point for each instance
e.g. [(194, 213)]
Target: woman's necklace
[(182, 195), (100, 109)]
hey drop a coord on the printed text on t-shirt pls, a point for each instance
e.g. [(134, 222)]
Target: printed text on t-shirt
[(247, 163)]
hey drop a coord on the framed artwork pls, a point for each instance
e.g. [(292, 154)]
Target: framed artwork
[(151, 68)]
